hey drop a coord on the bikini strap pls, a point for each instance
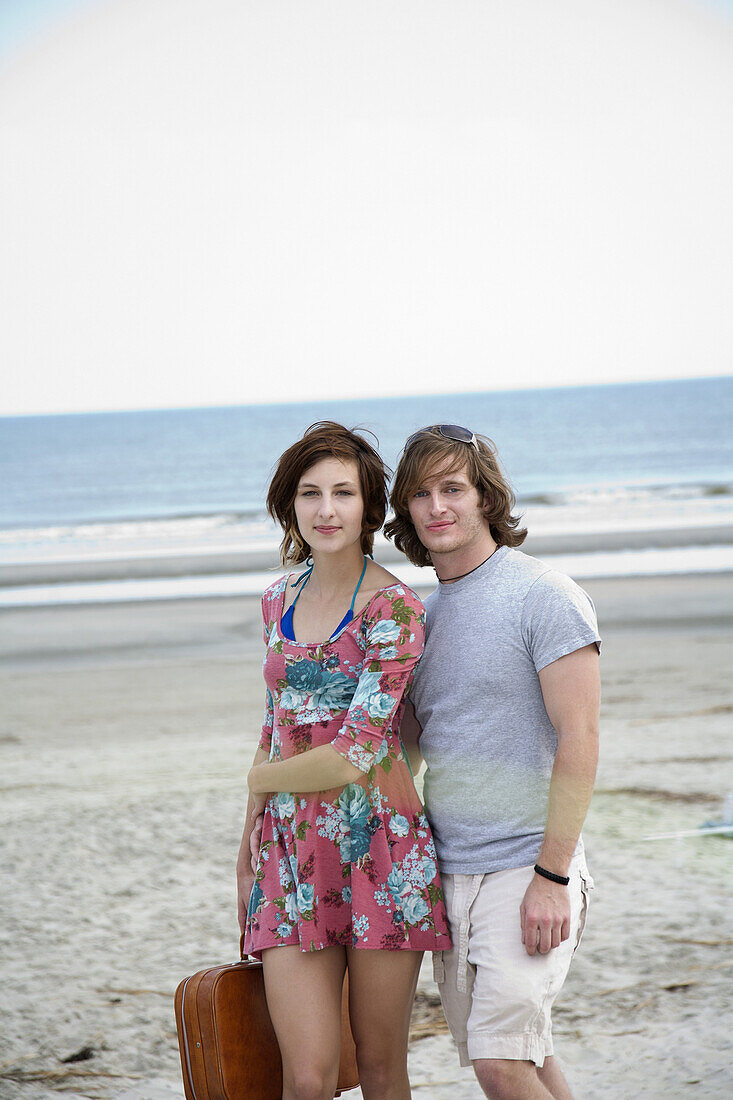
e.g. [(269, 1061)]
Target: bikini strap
[(302, 580), (358, 586)]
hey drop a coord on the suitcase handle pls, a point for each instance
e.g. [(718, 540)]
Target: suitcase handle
[(242, 956)]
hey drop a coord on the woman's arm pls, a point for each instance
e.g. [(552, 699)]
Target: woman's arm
[(395, 636), (394, 643), (249, 846), (313, 770)]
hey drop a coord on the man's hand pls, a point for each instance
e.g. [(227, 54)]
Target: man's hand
[(545, 915), (255, 838)]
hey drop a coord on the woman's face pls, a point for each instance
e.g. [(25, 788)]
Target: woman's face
[(329, 506)]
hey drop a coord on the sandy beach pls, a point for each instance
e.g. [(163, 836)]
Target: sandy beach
[(126, 734)]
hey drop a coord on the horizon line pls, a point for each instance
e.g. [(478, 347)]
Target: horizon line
[(370, 397)]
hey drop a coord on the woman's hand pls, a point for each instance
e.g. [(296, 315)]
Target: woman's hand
[(255, 837)]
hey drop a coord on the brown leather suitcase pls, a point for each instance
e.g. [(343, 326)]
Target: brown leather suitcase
[(226, 1040)]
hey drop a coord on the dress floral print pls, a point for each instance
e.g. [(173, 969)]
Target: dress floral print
[(353, 866)]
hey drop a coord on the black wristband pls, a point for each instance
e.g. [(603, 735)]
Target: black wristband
[(561, 879)]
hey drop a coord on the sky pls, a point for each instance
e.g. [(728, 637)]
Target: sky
[(210, 202)]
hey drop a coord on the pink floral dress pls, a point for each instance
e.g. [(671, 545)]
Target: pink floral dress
[(354, 866)]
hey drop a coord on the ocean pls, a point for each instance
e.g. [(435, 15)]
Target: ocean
[(154, 484)]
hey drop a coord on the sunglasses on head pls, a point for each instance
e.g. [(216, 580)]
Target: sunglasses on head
[(450, 431)]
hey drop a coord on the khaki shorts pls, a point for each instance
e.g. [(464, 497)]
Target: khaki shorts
[(497, 998)]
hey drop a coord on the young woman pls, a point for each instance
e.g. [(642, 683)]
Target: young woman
[(346, 874)]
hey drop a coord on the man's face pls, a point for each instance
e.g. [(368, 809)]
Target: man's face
[(447, 512)]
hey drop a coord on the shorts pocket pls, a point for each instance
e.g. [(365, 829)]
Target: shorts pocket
[(586, 885), (438, 968)]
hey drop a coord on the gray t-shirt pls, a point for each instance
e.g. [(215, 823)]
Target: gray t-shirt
[(486, 738)]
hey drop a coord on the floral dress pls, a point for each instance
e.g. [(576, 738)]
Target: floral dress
[(354, 866)]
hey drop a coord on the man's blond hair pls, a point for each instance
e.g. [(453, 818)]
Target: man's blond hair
[(430, 452)]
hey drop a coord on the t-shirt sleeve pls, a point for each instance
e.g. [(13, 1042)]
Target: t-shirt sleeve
[(269, 716), (558, 617), (394, 632)]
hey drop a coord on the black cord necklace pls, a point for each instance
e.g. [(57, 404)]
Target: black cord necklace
[(448, 580)]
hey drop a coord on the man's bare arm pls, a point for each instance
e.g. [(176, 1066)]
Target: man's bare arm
[(571, 692)]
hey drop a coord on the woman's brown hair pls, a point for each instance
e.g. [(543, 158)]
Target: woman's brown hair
[(430, 451), (326, 439)]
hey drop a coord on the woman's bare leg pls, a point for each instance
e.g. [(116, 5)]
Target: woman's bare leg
[(382, 988), (304, 998)]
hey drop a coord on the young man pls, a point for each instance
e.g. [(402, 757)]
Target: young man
[(506, 702)]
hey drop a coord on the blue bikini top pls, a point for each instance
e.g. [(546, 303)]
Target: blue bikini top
[(286, 620)]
